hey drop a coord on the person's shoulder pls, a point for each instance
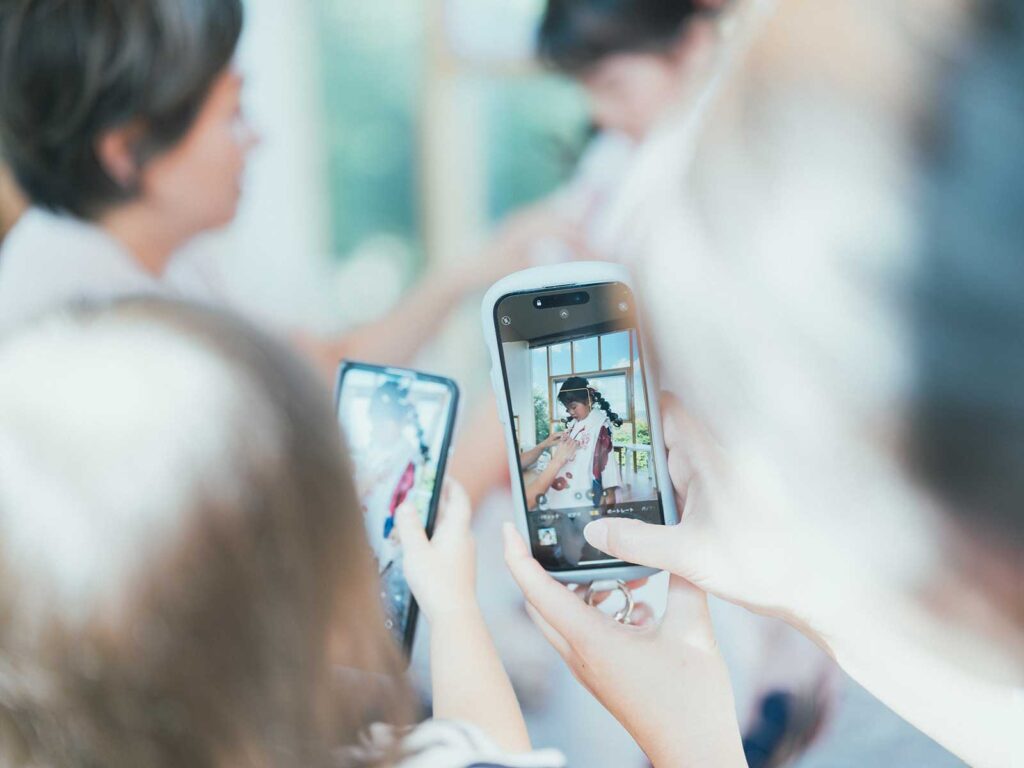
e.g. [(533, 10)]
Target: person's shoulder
[(445, 744), (49, 259)]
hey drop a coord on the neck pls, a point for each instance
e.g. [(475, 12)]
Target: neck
[(147, 236)]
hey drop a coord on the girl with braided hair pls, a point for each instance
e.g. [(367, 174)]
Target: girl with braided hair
[(588, 478)]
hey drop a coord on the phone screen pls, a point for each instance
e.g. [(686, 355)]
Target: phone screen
[(398, 426), (573, 367)]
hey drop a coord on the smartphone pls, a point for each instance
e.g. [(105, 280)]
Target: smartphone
[(398, 425), (582, 426)]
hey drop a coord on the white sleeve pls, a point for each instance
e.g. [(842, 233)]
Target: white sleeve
[(443, 744)]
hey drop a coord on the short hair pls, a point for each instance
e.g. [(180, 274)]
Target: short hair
[(69, 71), (576, 35), (967, 428), (184, 571)]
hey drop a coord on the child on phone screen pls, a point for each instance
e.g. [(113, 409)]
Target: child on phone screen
[(591, 476), (186, 576)]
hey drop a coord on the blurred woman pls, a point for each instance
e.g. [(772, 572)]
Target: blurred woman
[(122, 123), (638, 61), (870, 488)]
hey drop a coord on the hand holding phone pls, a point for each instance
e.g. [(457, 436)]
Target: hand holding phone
[(667, 683), (398, 424), (441, 571)]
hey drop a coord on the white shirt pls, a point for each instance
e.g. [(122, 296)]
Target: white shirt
[(48, 260), (443, 744)]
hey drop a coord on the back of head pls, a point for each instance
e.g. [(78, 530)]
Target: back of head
[(70, 71), (180, 546), (576, 35)]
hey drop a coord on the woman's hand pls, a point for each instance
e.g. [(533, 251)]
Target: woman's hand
[(468, 680), (564, 451), (728, 544), (441, 571), (667, 684), (509, 249), (552, 439)]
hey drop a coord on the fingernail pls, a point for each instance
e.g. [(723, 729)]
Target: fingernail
[(596, 534)]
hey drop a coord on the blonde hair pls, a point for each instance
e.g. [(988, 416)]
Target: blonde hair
[(184, 574)]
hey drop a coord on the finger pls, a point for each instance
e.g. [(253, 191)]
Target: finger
[(673, 416), (642, 615), (686, 613), (655, 546), (569, 656), (410, 530), (454, 511), (567, 614), (550, 634), (686, 435)]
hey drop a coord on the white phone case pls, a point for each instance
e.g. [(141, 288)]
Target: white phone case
[(571, 275)]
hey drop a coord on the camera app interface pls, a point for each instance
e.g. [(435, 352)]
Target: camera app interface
[(574, 376), (395, 428)]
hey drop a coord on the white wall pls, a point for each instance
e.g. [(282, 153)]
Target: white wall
[(517, 363)]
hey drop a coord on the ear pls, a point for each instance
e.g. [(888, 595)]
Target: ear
[(115, 151)]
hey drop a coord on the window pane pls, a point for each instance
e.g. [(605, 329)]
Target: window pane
[(561, 359), (371, 74), (615, 350), (614, 390), (639, 398), (640, 403), (557, 409), (536, 129), (539, 365), (585, 355)]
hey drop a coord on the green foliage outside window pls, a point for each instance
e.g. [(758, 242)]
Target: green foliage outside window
[(540, 413)]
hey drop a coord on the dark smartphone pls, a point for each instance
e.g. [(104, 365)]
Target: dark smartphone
[(398, 425)]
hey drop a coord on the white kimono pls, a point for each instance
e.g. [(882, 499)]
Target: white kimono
[(593, 471)]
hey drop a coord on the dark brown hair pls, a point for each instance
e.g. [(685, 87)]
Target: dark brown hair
[(71, 70), (576, 389), (577, 35), (255, 636)]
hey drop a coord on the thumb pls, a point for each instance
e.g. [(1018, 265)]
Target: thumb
[(455, 513), (686, 614), (410, 529), (655, 546)]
